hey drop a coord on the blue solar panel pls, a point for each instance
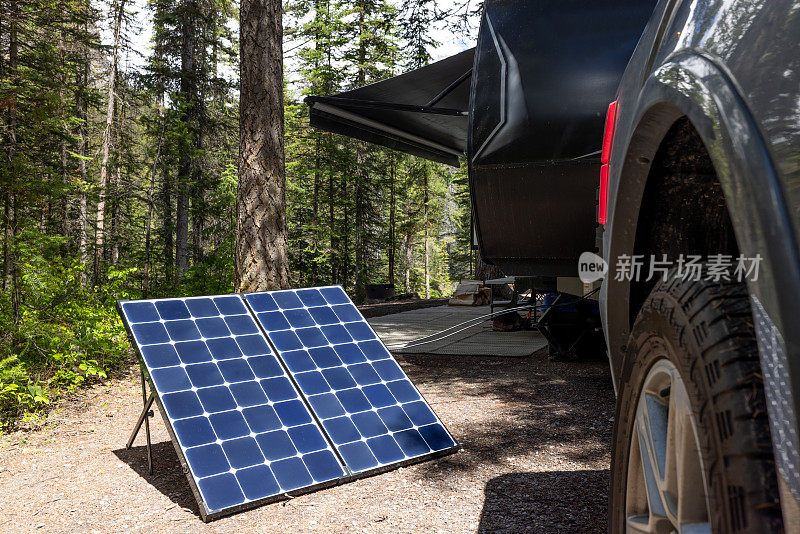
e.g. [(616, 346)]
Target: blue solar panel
[(371, 411), (243, 428)]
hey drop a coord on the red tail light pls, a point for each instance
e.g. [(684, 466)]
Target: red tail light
[(608, 141)]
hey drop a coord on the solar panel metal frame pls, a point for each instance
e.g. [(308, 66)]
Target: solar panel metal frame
[(382, 468), (205, 514)]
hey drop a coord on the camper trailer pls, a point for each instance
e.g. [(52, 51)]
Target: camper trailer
[(639, 129)]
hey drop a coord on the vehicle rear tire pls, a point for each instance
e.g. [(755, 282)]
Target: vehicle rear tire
[(691, 436)]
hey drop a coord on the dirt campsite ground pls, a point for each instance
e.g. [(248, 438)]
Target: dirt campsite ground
[(535, 458)]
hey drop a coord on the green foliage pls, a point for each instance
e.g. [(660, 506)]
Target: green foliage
[(67, 336), (356, 213), (340, 192)]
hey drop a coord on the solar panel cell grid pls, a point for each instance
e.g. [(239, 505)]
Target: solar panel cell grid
[(240, 422), (247, 429), (369, 408)]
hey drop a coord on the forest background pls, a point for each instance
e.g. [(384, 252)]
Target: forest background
[(118, 171)]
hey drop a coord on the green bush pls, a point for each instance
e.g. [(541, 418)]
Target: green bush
[(68, 333)]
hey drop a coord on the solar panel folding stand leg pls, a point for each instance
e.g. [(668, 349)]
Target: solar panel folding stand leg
[(145, 416)]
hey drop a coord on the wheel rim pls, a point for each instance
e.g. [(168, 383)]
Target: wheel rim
[(666, 489)]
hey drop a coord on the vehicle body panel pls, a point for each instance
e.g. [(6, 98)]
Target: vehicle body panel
[(527, 113), (733, 68), (542, 80)]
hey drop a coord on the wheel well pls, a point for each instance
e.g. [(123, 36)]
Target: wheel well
[(683, 209)]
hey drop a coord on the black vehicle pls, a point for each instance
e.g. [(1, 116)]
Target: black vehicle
[(706, 161), (700, 157), (526, 108)]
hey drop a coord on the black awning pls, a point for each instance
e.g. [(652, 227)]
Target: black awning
[(423, 112)]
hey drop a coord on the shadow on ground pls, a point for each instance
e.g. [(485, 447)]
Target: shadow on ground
[(556, 501), (537, 405), (167, 477), (498, 409)]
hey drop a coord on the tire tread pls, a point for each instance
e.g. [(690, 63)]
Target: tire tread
[(712, 328)]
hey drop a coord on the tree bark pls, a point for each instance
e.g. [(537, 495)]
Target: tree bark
[(345, 258), (115, 222), (198, 199), (315, 205), (12, 213), (362, 176), (392, 216), (360, 227), (484, 271), (188, 89), (110, 107), (318, 19), (197, 188), (6, 278), (146, 278), (83, 212), (332, 224), (409, 261), (6, 242), (65, 197), (261, 240), (65, 178), (427, 238), (169, 228)]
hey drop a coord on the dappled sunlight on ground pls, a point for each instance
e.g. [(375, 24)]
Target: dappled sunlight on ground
[(535, 437)]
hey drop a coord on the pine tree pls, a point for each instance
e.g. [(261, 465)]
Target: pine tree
[(261, 248), (119, 12)]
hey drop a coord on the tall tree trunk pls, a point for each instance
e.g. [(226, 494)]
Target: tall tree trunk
[(150, 193), (198, 199), (182, 223), (409, 261), (427, 238), (6, 206), (6, 241), (360, 227), (115, 213), (83, 212), (261, 240), (197, 188), (361, 181), (315, 208), (345, 261), (169, 228), (65, 178), (484, 271), (12, 214), (146, 275), (318, 21), (110, 107), (65, 197), (332, 224), (392, 208), (327, 85), (188, 88)]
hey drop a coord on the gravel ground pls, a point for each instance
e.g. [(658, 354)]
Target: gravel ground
[(535, 458)]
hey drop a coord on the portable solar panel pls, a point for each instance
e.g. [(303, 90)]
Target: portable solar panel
[(270, 394), (371, 411), (237, 420)]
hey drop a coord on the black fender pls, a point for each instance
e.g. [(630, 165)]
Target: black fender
[(695, 86)]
